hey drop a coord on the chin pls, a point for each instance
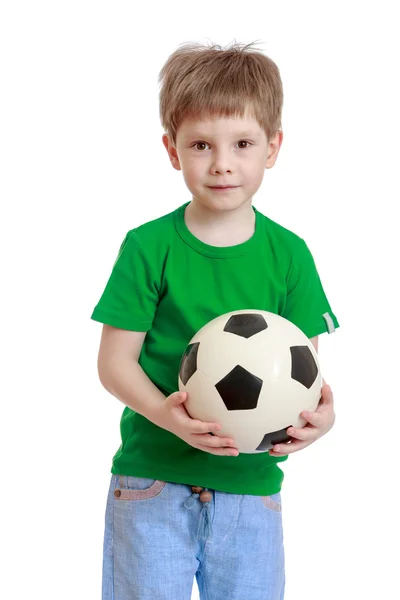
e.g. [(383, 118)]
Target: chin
[(225, 204), (219, 201)]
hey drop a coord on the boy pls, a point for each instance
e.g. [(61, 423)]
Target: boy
[(183, 502)]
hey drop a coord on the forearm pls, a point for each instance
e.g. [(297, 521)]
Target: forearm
[(125, 379)]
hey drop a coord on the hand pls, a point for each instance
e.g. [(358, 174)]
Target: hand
[(319, 423), (173, 417)]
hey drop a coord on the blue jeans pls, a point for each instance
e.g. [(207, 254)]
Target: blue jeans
[(160, 535)]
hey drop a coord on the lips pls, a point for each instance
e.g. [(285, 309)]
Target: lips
[(223, 187)]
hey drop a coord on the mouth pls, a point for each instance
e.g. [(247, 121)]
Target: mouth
[(223, 187)]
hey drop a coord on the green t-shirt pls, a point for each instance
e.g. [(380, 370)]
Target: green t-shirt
[(167, 282)]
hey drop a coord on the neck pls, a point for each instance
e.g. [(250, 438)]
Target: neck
[(220, 228)]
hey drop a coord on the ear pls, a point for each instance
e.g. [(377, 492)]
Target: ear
[(172, 153), (273, 149)]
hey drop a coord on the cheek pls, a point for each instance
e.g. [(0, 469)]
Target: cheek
[(190, 178), (256, 174), (192, 172)]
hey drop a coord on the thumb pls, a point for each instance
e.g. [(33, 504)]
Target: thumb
[(177, 398)]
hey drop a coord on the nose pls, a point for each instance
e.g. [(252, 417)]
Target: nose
[(221, 163)]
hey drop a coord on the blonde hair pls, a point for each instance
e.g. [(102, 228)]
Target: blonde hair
[(200, 81)]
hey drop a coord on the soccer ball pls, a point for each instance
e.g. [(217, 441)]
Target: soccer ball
[(253, 372)]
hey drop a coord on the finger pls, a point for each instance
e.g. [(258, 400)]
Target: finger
[(218, 452), (315, 418), (202, 427), (326, 394), (284, 449), (308, 434), (214, 440)]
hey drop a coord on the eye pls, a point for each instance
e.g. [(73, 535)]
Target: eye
[(205, 144), (199, 144)]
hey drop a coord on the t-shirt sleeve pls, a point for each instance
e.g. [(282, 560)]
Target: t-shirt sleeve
[(306, 303), (129, 300)]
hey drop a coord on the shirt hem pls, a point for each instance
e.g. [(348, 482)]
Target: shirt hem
[(120, 322), (320, 329), (205, 481)]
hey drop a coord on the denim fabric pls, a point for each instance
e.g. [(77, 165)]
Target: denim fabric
[(159, 536)]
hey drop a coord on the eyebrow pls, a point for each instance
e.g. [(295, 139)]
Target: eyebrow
[(240, 134)]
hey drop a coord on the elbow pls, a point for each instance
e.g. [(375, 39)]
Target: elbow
[(103, 373)]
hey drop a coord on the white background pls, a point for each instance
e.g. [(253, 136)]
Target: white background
[(82, 162)]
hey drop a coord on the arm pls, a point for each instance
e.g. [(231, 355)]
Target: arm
[(122, 376), (314, 341)]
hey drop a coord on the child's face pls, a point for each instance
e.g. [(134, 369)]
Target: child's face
[(223, 151)]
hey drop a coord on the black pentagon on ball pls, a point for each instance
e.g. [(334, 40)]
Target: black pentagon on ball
[(275, 437), (246, 324), (239, 389), (304, 367), (189, 362)]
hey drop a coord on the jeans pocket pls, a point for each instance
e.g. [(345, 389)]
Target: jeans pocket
[(272, 502), (130, 488)]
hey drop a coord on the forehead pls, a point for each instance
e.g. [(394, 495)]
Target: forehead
[(246, 126)]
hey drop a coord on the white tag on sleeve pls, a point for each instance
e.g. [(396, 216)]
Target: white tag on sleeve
[(329, 322)]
